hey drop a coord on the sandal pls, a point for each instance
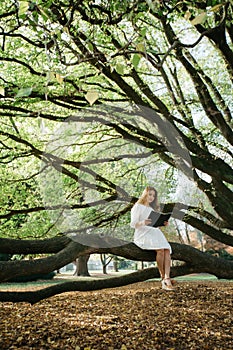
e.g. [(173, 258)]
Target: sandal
[(167, 286)]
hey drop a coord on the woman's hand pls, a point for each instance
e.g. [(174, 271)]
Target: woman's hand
[(147, 221), (165, 223), (143, 223)]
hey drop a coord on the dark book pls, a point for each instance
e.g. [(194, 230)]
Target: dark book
[(158, 219)]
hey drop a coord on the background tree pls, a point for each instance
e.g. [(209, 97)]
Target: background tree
[(158, 76)]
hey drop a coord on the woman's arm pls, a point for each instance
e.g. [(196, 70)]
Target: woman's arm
[(135, 218)]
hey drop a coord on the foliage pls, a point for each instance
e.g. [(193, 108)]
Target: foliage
[(84, 88)]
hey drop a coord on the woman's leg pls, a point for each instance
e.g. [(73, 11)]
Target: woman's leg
[(160, 262), (167, 283), (163, 259), (167, 263)]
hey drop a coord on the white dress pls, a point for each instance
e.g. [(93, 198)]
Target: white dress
[(147, 237)]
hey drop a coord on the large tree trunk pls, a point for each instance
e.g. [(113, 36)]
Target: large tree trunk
[(81, 266)]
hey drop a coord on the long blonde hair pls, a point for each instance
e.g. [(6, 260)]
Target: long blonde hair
[(143, 197)]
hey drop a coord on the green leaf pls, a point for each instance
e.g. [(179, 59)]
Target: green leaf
[(24, 92), (119, 68), (143, 32), (92, 96), (90, 46), (23, 7), (141, 47), (199, 19), (136, 60)]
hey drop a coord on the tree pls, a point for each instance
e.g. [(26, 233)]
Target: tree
[(105, 260), (81, 266), (154, 99)]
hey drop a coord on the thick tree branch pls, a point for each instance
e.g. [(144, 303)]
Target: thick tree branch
[(81, 286), (90, 244), (113, 282), (37, 246)]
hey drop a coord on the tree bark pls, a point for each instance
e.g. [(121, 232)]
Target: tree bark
[(115, 264), (139, 276), (37, 246), (200, 261), (81, 266), (11, 269)]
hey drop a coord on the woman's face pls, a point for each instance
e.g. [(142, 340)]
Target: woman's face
[(151, 196)]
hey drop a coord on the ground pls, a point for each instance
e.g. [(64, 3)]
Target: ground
[(198, 315)]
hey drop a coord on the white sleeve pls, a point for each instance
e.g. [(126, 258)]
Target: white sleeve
[(135, 215)]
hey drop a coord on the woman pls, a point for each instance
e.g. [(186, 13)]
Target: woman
[(147, 237)]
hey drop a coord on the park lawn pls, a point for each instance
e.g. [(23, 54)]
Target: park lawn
[(60, 278), (198, 315), (29, 286)]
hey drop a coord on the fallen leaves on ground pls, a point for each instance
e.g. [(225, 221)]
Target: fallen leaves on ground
[(198, 315)]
